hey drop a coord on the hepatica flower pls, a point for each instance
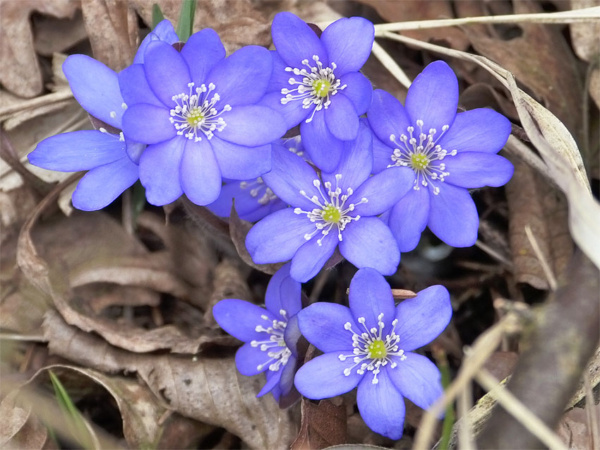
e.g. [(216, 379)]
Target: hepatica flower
[(196, 110), (270, 334), (447, 152), (370, 345), (329, 210), (316, 82)]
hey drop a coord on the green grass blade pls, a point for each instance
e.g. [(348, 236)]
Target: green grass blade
[(186, 19), (157, 15)]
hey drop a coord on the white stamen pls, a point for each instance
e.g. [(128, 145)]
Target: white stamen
[(274, 345)]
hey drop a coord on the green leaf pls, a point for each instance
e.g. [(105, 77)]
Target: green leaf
[(157, 15), (186, 19)]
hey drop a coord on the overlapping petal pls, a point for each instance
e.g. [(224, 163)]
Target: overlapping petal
[(418, 379), (323, 377), (387, 116), (251, 360), (341, 118), (371, 297), (199, 172), (252, 126), (135, 87), (283, 293), (166, 71), (159, 171), (324, 149), (383, 190), (323, 325), (312, 256), (358, 89), (163, 31), (239, 318), (238, 162), (408, 218), (148, 124), (348, 42), (295, 41), (202, 51)]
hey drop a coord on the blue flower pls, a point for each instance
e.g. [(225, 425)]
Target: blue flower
[(254, 200), (109, 156), (197, 112), (370, 345), (328, 210), (317, 81), (448, 153), (270, 334)]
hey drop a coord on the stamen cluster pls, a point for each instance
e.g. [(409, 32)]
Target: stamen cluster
[(275, 345)]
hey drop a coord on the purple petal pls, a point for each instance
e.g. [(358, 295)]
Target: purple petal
[(251, 360), (238, 162), (292, 333), (102, 185), (348, 43), (423, 318), (433, 97), (312, 256), (292, 112), (77, 150), (382, 155), (418, 379), (359, 90), (250, 202), (453, 217), (295, 41), (368, 242), (166, 71), (383, 190), (95, 87), (202, 51), (381, 405), (163, 31), (478, 130), (243, 77), (148, 124), (240, 318), (159, 171), (252, 126), (134, 150), (283, 293), (341, 118), (135, 87), (408, 218), (286, 381), (387, 116), (200, 174), (323, 148), (323, 377), (370, 296), (277, 237), (476, 169), (273, 379), (322, 324)]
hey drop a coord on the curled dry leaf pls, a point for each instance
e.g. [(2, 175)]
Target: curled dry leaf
[(208, 390), (20, 429), (229, 282), (323, 425), (574, 428), (585, 35)]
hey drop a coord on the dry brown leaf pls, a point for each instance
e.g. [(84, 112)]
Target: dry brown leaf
[(19, 429), (574, 428), (585, 35), (208, 390), (323, 425), (54, 35), (532, 202), (228, 283), (19, 71)]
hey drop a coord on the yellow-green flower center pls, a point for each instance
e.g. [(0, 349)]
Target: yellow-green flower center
[(195, 117), (322, 87), (331, 214), (377, 349), (419, 161)]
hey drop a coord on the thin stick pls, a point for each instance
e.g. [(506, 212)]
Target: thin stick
[(389, 63), (541, 258)]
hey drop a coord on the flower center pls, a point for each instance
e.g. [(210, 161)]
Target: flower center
[(316, 87), (371, 350), (423, 155), (195, 114), (331, 209), (274, 345), (259, 191)]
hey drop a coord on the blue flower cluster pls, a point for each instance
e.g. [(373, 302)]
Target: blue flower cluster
[(363, 179)]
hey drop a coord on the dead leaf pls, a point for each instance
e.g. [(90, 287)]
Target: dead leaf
[(19, 429), (54, 35), (228, 283), (501, 364), (584, 36), (574, 428), (323, 425)]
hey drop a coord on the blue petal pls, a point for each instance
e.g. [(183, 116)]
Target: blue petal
[(279, 77), (286, 381), (243, 77), (381, 405), (423, 318), (476, 169), (277, 237), (273, 379), (251, 360), (383, 190), (252, 125), (341, 118), (369, 242), (323, 377), (248, 204), (312, 256), (289, 175), (292, 113), (370, 296), (295, 41), (323, 148), (202, 51), (359, 90), (238, 162), (240, 318), (77, 150), (322, 324), (102, 185), (166, 71), (283, 293), (382, 155), (148, 124), (200, 174), (356, 162), (135, 87), (159, 171), (348, 43), (163, 31), (433, 97), (387, 116), (408, 218), (478, 130), (95, 87), (453, 217), (134, 150), (292, 334), (418, 379)]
